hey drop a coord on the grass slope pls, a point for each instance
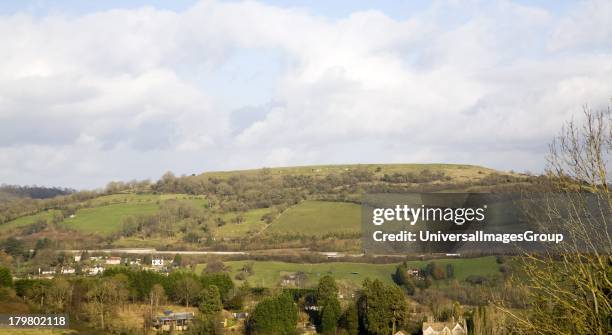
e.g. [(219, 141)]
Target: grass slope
[(252, 223), (107, 213), (27, 220), (105, 220), (318, 218), (268, 273)]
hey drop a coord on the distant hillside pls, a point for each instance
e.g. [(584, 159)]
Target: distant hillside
[(292, 207), (34, 192), (459, 172)]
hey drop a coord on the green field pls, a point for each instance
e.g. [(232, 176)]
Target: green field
[(104, 214), (269, 273), (104, 220), (252, 223), (108, 212), (27, 220), (318, 218)]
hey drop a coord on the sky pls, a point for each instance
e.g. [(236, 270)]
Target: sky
[(119, 90)]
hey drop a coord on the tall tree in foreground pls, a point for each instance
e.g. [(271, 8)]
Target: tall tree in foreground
[(210, 300), (350, 320), (274, 316), (382, 308), (327, 300), (569, 286)]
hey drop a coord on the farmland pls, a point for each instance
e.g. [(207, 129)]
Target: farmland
[(318, 218), (231, 210), (104, 220), (252, 222), (108, 212), (28, 220), (269, 273)]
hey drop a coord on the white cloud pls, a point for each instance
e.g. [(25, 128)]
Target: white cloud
[(119, 94)]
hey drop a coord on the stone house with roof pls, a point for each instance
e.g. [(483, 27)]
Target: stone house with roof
[(445, 328)]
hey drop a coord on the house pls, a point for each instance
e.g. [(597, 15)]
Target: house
[(445, 328), (113, 261), (157, 261), (173, 321), (68, 271), (94, 270), (77, 258), (289, 280), (240, 315)]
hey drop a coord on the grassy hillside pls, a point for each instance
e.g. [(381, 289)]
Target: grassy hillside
[(252, 223), (228, 207), (269, 273), (318, 218), (458, 172), (104, 220), (27, 220), (107, 213)]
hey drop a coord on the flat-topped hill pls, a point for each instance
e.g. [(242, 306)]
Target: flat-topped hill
[(289, 207)]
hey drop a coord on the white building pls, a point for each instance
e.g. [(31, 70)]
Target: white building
[(68, 271), (113, 260), (157, 261), (445, 328), (95, 270)]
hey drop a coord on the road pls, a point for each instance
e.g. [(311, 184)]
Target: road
[(151, 251), (141, 251)]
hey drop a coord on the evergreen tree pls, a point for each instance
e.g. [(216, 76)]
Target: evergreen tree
[(382, 307), (6, 279), (350, 320), (221, 280), (178, 260), (330, 314), (326, 290), (274, 316), (327, 300), (210, 300)]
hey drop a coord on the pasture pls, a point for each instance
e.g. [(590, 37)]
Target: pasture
[(318, 218), (28, 220), (252, 223), (269, 273), (105, 220)]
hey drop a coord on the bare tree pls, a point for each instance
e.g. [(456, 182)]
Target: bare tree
[(569, 285)]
